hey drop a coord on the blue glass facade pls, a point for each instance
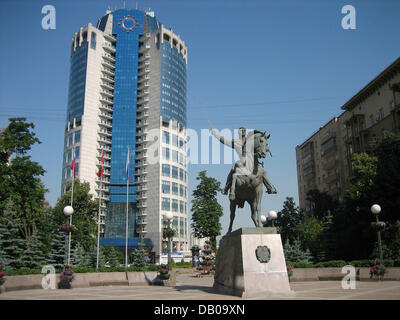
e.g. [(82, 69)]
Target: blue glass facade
[(173, 84), (77, 81), (125, 98), (124, 118)]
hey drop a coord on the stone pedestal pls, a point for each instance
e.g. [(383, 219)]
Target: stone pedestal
[(250, 263)]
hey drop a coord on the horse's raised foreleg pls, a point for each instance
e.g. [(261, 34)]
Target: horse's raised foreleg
[(233, 209)]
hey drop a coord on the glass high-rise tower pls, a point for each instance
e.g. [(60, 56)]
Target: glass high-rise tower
[(127, 90)]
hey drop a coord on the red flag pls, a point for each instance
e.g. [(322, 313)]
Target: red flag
[(73, 167), (100, 173)]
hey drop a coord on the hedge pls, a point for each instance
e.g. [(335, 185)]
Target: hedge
[(389, 263)]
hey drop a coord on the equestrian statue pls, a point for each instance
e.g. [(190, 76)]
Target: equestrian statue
[(247, 176)]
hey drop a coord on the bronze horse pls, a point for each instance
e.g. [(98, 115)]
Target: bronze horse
[(249, 187)]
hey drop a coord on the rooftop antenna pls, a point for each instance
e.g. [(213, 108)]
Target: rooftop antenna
[(136, 5), (124, 4)]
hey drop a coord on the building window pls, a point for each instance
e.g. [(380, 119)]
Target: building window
[(181, 190), (381, 114), (174, 172), (165, 204), (165, 137), (174, 205), (166, 171), (77, 136), (181, 207), (93, 41), (181, 175), (175, 156), (174, 188), (175, 140), (165, 153), (165, 187), (371, 120)]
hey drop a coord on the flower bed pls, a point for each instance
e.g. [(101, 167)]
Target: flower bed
[(2, 275)]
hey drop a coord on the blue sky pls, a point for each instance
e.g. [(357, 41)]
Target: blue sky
[(285, 67)]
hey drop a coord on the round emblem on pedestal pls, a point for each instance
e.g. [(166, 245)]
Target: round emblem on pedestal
[(263, 254)]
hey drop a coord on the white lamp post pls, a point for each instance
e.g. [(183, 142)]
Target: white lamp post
[(272, 215), (376, 209), (68, 211), (169, 216)]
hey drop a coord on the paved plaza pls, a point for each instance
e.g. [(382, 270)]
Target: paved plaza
[(190, 287)]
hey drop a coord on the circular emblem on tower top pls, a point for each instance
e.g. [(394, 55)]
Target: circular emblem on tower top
[(128, 23), (263, 254)]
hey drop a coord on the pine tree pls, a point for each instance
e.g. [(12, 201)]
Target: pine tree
[(11, 242), (112, 255), (79, 257), (138, 257), (59, 247), (294, 253), (32, 256), (91, 258), (328, 240)]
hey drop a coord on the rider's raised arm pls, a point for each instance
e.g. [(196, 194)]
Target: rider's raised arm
[(225, 141)]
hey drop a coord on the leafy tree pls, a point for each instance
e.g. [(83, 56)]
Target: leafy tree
[(309, 232), (84, 216), (294, 253), (386, 186), (206, 211), (364, 172), (321, 203), (288, 218), (20, 182)]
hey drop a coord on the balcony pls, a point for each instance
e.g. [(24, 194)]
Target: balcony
[(331, 178), (143, 107), (107, 124), (106, 115), (109, 47), (144, 57), (330, 164), (103, 139), (142, 115), (107, 92), (108, 64), (309, 175), (104, 76), (106, 107), (104, 132), (143, 100), (108, 71), (107, 85), (328, 136), (109, 57), (142, 213), (143, 78), (106, 100), (144, 48), (144, 71), (328, 150)]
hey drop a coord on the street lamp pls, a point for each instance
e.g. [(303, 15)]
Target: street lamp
[(376, 209), (263, 219), (68, 211), (272, 215), (169, 216)]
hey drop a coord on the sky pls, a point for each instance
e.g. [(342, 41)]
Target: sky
[(285, 67)]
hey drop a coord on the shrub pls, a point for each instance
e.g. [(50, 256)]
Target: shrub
[(332, 264), (360, 263), (301, 265)]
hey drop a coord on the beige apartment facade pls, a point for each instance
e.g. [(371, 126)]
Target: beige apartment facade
[(324, 159)]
